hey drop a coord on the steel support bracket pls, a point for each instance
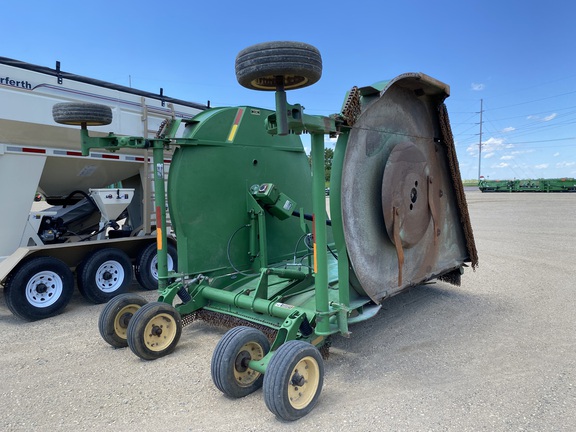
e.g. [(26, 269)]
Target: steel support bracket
[(342, 312), (113, 142), (297, 122)]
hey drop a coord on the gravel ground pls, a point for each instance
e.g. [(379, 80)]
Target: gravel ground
[(497, 354)]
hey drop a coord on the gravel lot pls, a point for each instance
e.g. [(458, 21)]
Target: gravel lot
[(497, 354)]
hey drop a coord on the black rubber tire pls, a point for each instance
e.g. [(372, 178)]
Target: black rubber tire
[(282, 369), (76, 113), (39, 288), (114, 318), (229, 371), (104, 274), (258, 65), (145, 275), (154, 330)]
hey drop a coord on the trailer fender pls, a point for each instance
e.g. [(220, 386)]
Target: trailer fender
[(10, 262)]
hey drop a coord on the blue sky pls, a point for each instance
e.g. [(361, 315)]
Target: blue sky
[(517, 56)]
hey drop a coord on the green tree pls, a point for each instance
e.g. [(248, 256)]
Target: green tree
[(328, 156)]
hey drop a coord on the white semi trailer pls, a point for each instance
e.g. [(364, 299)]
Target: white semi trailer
[(100, 234)]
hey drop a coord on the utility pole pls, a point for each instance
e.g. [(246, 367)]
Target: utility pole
[(480, 142)]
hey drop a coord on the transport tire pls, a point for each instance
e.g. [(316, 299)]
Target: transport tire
[(154, 330), (115, 317), (146, 268), (39, 288), (104, 274), (293, 380), (77, 113), (229, 366), (258, 65)]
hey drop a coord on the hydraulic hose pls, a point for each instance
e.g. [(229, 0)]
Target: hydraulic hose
[(308, 217)]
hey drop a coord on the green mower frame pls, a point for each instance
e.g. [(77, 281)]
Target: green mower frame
[(303, 299)]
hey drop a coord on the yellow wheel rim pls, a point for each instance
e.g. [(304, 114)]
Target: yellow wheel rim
[(160, 331), (304, 381), (242, 373), (122, 318)]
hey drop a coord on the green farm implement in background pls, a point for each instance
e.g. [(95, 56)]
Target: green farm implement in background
[(256, 250), (538, 185)]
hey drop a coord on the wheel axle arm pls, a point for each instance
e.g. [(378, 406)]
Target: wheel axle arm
[(292, 118)]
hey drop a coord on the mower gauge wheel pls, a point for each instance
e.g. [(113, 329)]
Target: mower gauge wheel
[(258, 66), (293, 380), (114, 318), (154, 330), (229, 366)]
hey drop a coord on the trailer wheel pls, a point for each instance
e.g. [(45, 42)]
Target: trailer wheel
[(77, 113), (104, 274), (293, 380), (154, 330), (39, 288), (146, 269), (114, 318), (229, 366), (258, 65)]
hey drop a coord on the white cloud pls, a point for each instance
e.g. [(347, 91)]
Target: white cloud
[(494, 144), (550, 117), (565, 164), (493, 141), (490, 147), (506, 157), (542, 119), (478, 86), (556, 154), (515, 152), (501, 165), (509, 129), (541, 166)]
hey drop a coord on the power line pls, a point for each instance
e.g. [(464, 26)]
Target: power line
[(543, 141), (532, 101), (528, 142), (537, 113)]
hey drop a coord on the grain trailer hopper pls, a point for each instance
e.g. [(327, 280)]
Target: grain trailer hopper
[(45, 243)]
